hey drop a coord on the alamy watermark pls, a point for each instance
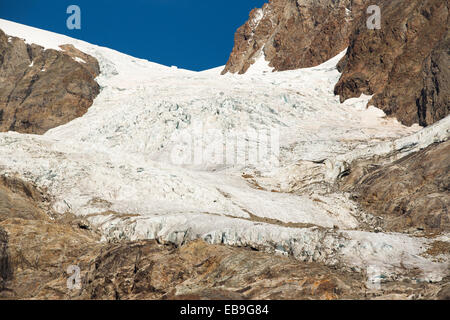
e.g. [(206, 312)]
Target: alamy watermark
[(74, 20)]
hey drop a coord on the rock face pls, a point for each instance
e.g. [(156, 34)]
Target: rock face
[(294, 33), (42, 89), (146, 270), (5, 264), (410, 193), (18, 200), (36, 252), (404, 64), (56, 189)]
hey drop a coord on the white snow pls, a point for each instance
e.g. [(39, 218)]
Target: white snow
[(259, 14), (77, 59), (118, 165)]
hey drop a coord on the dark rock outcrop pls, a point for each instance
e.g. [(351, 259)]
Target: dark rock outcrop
[(410, 193), (42, 89), (405, 64)]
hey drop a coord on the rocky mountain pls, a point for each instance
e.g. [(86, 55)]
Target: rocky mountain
[(35, 253), (294, 34), (404, 65), (41, 89)]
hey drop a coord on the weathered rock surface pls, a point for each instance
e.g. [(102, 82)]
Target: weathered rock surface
[(18, 199), (5, 263), (35, 254), (405, 64), (42, 89), (294, 33), (333, 261), (146, 270), (410, 193)]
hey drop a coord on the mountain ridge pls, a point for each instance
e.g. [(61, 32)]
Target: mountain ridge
[(404, 64), (104, 187)]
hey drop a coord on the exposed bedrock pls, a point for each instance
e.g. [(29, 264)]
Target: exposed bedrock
[(404, 64), (410, 193), (294, 34), (41, 89)]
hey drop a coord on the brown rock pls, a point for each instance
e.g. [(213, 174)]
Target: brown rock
[(5, 263), (42, 89), (41, 252), (404, 64), (19, 199), (146, 270), (294, 33), (444, 294)]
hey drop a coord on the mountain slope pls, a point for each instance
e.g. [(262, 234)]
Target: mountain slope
[(294, 34), (404, 65), (42, 89), (169, 154)]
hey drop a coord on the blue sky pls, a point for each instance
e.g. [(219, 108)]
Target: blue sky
[(191, 34)]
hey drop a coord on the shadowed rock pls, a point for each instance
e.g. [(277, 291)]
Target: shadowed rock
[(5, 264), (405, 64)]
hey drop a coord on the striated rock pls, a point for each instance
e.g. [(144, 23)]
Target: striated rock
[(42, 89), (404, 64), (294, 33), (410, 193), (19, 199)]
